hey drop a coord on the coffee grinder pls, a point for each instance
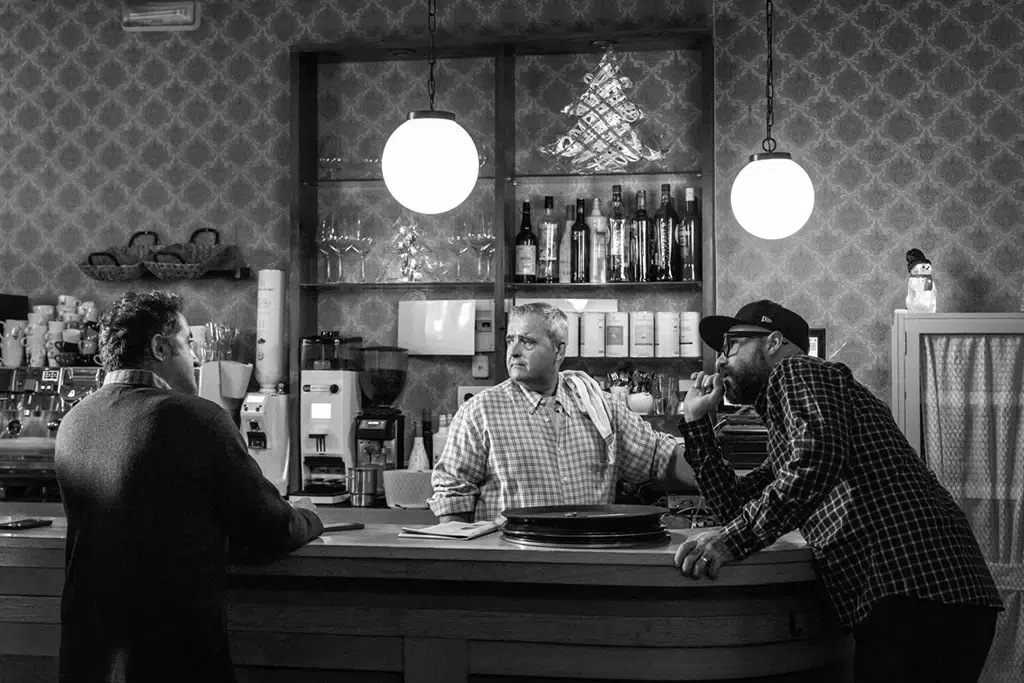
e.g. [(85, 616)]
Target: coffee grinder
[(264, 415), (380, 428)]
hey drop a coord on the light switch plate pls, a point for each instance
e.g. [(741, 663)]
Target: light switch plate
[(481, 366), (468, 392)]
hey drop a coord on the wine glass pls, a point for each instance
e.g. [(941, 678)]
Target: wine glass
[(480, 242), (360, 244), (339, 243), (324, 250), (458, 245)]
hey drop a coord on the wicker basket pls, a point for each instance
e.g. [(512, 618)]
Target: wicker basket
[(136, 253), (112, 271), (189, 260)]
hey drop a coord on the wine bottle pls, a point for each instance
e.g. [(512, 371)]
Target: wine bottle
[(547, 251), (642, 234), (688, 239), (526, 250), (428, 434), (598, 243), (580, 234), (618, 240), (565, 246), (666, 226)]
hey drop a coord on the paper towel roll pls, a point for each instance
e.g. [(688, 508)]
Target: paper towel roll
[(689, 334), (666, 334), (592, 334), (641, 334), (270, 358), (616, 335), (572, 344)]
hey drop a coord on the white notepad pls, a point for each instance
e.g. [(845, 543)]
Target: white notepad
[(449, 531)]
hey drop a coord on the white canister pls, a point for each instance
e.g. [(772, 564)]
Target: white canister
[(270, 370), (641, 334), (572, 343), (689, 334), (666, 334), (592, 334), (616, 335)]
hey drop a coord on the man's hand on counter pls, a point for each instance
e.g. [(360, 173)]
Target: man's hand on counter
[(303, 502), (702, 554)]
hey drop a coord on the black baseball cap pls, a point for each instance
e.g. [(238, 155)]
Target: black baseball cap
[(763, 313)]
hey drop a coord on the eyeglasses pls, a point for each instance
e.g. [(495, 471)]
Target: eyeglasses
[(731, 341)]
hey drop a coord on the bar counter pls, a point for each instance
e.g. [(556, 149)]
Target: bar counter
[(369, 606)]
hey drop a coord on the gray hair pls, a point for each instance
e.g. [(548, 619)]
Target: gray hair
[(556, 324)]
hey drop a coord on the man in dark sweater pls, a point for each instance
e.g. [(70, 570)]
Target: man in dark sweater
[(157, 483)]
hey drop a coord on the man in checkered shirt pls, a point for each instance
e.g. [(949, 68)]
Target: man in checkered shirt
[(897, 557), (545, 437)]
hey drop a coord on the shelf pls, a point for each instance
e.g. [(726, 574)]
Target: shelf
[(362, 286), (634, 359), (623, 174), (671, 284), (339, 181)]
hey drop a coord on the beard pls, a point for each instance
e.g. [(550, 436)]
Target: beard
[(743, 384)]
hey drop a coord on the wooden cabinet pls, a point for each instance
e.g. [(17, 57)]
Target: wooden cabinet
[(509, 94)]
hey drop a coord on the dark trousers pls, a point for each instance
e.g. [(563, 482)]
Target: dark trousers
[(908, 639)]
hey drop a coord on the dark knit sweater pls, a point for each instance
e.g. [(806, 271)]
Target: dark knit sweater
[(156, 485)]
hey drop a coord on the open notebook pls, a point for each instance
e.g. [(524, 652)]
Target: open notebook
[(450, 530)]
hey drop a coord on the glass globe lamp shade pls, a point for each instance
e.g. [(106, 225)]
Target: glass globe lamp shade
[(430, 164), (772, 197)]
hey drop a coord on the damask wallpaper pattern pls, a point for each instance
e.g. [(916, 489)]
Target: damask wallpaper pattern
[(909, 116)]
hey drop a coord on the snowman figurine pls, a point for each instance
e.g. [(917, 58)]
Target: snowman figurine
[(920, 287)]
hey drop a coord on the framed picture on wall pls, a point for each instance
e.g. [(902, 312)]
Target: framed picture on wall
[(817, 347)]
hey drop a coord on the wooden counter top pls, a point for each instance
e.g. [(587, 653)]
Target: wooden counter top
[(378, 552)]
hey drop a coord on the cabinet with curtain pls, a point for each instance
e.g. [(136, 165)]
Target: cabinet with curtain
[(958, 396)]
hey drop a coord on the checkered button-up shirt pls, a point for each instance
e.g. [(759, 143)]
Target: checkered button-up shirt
[(841, 471), (504, 450)]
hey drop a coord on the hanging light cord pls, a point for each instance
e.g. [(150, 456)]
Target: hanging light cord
[(432, 54), (768, 144)]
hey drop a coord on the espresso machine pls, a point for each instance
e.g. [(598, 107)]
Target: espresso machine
[(329, 401), (33, 401), (380, 428)]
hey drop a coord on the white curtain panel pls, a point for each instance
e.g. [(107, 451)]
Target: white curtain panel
[(973, 435)]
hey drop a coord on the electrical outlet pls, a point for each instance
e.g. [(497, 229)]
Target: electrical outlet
[(468, 392)]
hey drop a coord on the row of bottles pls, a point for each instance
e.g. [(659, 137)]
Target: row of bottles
[(595, 248)]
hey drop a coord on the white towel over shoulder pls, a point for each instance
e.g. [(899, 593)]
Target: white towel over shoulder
[(592, 400)]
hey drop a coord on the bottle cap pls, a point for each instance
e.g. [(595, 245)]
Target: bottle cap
[(690, 194), (549, 202)]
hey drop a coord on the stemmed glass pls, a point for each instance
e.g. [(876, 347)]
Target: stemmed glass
[(360, 244), (459, 246), (324, 249), (481, 242), (339, 243)]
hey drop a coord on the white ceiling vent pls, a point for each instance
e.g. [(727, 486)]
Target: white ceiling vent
[(160, 16)]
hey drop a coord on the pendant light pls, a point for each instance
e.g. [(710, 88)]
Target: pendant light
[(772, 196), (430, 163)]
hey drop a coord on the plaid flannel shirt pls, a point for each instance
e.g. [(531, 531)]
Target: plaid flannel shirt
[(841, 471), (503, 451)]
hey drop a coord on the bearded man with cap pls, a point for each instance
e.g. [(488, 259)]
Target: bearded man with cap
[(897, 557)]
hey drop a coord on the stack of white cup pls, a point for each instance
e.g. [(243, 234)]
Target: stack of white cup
[(56, 335)]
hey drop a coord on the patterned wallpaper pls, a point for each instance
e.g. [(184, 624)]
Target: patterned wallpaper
[(908, 116)]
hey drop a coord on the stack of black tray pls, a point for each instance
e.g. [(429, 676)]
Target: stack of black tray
[(586, 526)]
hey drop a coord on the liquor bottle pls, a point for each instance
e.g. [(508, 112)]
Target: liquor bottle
[(688, 239), (440, 438), (598, 243), (526, 250), (418, 457), (547, 235), (666, 226), (565, 246), (642, 233), (580, 233), (618, 240)]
